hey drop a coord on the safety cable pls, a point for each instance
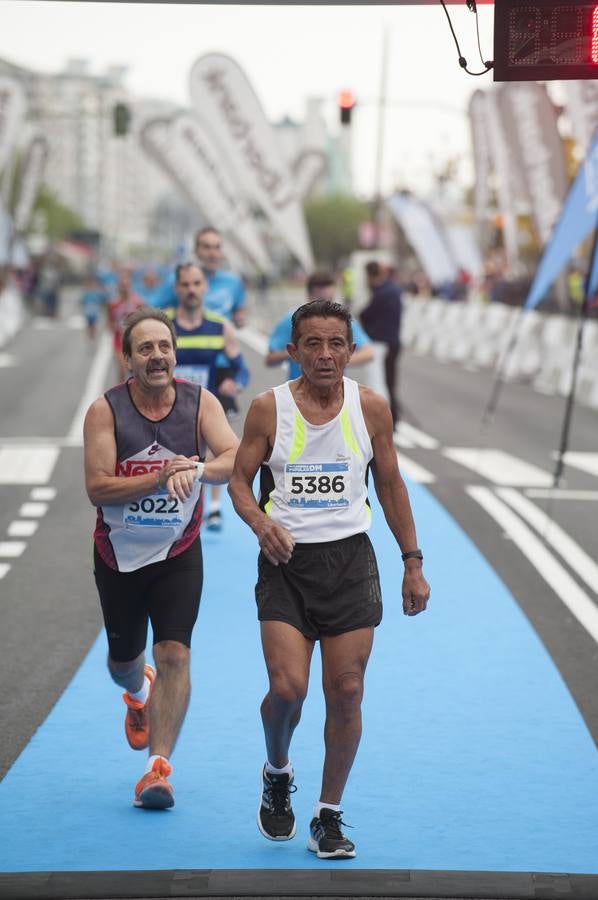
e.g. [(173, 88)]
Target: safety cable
[(471, 5)]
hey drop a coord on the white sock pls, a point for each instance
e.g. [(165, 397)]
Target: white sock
[(272, 770), (143, 694), (151, 761), (321, 803)]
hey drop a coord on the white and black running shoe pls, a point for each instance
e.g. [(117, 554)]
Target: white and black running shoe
[(275, 817), (326, 838)]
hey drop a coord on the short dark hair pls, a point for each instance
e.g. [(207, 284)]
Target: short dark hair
[(319, 280), (208, 229), (323, 309), (140, 315), (181, 267), (374, 269)]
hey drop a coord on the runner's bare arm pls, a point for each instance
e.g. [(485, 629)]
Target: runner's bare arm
[(258, 436), (393, 497), (215, 431), (104, 487)]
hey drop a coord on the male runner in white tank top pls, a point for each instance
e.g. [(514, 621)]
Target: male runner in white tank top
[(314, 440)]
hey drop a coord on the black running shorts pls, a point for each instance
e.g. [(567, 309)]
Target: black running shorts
[(325, 589), (166, 593)]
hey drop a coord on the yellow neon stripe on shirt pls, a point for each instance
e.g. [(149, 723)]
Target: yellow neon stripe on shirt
[(298, 439), (348, 434), (200, 342)]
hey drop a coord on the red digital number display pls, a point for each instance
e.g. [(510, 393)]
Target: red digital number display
[(544, 40)]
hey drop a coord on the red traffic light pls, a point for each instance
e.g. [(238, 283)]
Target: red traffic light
[(346, 102)]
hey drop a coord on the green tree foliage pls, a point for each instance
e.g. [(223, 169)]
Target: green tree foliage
[(333, 222), (60, 219)]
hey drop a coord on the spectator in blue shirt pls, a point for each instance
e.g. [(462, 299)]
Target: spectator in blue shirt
[(320, 286), (381, 319)]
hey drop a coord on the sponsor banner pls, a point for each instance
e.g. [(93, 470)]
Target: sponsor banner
[(220, 196), (228, 107), (32, 174), (478, 120), (307, 167), (155, 138), (504, 168), (579, 217), (463, 244), (12, 113), (582, 108), (529, 120), (425, 235)]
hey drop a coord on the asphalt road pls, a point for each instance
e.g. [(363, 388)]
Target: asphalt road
[(49, 613)]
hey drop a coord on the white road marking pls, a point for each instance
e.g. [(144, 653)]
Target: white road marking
[(26, 464), (33, 510), (414, 471), (94, 386), (560, 494), (12, 548), (22, 528), (586, 462), (499, 467), (254, 339), (43, 493), (557, 578), (401, 441), (4, 569), (418, 438), (553, 534), (7, 360)]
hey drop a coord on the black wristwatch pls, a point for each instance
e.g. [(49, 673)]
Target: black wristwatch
[(412, 554)]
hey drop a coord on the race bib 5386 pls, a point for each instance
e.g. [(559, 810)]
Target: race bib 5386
[(317, 484)]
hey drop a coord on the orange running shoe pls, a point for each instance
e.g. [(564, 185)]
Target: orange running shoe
[(137, 727), (153, 791)]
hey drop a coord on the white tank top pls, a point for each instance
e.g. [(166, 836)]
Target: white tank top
[(314, 483)]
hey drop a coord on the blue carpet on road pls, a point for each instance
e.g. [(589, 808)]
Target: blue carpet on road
[(474, 756)]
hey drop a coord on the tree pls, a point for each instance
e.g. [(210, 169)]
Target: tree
[(60, 219), (333, 223)]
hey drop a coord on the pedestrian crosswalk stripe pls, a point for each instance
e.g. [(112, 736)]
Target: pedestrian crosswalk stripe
[(499, 467)]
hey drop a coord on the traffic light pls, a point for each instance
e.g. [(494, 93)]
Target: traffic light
[(346, 102), (545, 40), (122, 118)]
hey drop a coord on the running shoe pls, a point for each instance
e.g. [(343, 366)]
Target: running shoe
[(214, 521), (326, 838), (153, 791), (275, 817), (137, 728)]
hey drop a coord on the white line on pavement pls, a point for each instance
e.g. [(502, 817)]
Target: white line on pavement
[(419, 438), (414, 471), (4, 569), (22, 528), (581, 563), (500, 467), (94, 385), (558, 579), (33, 510), (12, 548), (25, 464), (254, 339), (43, 493), (586, 462), (560, 494)]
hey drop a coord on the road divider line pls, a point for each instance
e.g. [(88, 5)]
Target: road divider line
[(93, 387), (22, 528), (581, 563), (414, 471), (417, 437), (254, 339), (499, 467), (558, 579)]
